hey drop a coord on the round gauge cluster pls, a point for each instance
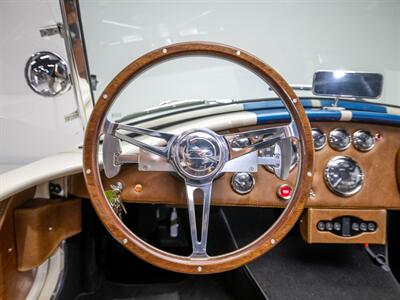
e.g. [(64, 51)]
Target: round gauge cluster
[(363, 140), (242, 183), (319, 139), (339, 139), (343, 176)]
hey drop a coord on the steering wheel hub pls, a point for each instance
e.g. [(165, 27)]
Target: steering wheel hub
[(198, 155)]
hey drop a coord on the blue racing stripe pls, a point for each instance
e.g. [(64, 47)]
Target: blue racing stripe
[(265, 116), (310, 103), (281, 115), (267, 104), (362, 116), (269, 111), (365, 106)]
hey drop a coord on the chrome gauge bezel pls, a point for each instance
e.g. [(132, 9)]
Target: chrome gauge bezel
[(242, 192), (358, 146), (335, 147), (338, 192), (321, 133)]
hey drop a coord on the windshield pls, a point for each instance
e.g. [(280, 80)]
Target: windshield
[(297, 38)]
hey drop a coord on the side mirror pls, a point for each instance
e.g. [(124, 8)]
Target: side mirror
[(47, 74)]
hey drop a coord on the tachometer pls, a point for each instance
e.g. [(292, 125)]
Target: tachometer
[(344, 176), (339, 139), (363, 140), (319, 139)]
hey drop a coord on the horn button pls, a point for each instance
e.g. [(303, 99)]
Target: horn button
[(199, 155)]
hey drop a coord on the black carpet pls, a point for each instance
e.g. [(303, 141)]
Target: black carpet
[(292, 270), (192, 288), (295, 270)]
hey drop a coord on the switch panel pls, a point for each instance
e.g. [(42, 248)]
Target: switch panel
[(344, 226), (347, 226)]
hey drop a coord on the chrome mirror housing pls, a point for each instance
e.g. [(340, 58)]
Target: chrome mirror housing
[(47, 74)]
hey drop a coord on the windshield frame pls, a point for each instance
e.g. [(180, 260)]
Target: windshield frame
[(84, 85)]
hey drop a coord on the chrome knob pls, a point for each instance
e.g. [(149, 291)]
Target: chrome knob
[(47, 74)]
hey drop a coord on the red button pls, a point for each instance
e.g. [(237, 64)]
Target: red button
[(378, 136), (284, 192)]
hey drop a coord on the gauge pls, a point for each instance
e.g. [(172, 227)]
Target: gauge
[(240, 142), (242, 183), (363, 140), (344, 176), (319, 139), (339, 139), (270, 151)]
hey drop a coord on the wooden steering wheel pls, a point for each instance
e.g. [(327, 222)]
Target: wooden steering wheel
[(198, 156)]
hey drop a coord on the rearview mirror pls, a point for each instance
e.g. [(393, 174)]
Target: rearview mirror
[(347, 84)]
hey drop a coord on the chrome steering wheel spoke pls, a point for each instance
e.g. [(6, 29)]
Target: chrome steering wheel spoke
[(113, 129), (257, 139), (198, 156), (244, 146), (199, 247)]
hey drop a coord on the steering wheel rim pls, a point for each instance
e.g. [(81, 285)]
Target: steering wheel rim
[(167, 260)]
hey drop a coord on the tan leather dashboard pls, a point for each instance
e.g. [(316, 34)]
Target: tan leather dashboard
[(398, 167), (380, 189)]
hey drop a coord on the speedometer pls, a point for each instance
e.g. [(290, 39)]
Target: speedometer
[(344, 176), (319, 139)]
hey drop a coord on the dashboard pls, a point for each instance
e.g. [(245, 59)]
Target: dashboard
[(354, 168), (354, 184)]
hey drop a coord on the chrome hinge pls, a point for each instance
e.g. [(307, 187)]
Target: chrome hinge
[(72, 116), (93, 81), (52, 30)]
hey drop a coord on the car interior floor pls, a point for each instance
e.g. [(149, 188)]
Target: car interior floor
[(297, 270), (292, 270)]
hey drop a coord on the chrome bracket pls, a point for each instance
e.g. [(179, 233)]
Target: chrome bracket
[(52, 30), (71, 116)]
